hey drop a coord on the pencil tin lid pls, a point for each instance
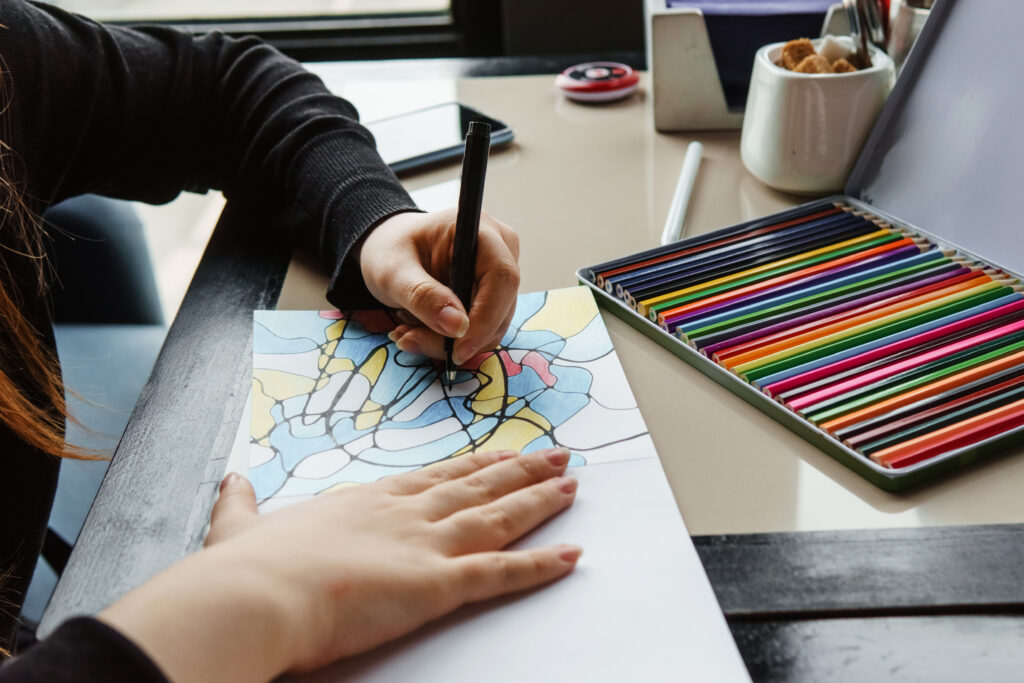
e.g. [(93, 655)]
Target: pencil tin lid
[(945, 154)]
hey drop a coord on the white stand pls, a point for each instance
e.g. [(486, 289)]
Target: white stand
[(687, 91)]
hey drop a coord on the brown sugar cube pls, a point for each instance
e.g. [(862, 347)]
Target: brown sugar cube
[(794, 52), (841, 66), (814, 64)]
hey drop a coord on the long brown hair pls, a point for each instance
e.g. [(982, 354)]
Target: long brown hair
[(24, 356)]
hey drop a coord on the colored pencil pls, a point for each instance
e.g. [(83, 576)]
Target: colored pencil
[(964, 433), (976, 344), (817, 357), (870, 272), (881, 423), (854, 369), (597, 273), (830, 423), (933, 332), (895, 317), (945, 418), (909, 379), (819, 322), (734, 290), (729, 332)]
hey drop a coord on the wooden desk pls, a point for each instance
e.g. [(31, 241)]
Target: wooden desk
[(583, 184)]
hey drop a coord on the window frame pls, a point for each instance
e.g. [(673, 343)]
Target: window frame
[(472, 28)]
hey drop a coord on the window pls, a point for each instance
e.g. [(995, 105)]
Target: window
[(314, 30)]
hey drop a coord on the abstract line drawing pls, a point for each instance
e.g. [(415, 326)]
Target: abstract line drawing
[(336, 403)]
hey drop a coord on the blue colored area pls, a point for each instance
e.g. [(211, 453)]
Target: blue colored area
[(558, 407), (526, 382), (291, 325), (535, 339), (420, 455), (267, 478), (293, 449), (571, 378), (359, 349), (526, 307), (265, 341), (482, 427)]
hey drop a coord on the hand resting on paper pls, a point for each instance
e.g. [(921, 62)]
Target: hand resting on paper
[(404, 262), (299, 587)]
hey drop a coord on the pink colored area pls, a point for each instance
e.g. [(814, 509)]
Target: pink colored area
[(332, 315), (532, 360), (539, 364)]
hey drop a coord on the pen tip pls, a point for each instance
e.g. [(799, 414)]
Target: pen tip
[(450, 375)]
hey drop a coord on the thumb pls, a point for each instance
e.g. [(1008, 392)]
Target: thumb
[(432, 303), (234, 510)]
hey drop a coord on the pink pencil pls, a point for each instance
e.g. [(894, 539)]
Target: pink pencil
[(895, 347), (801, 402)]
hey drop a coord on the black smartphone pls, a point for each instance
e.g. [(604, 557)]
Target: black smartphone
[(426, 136)]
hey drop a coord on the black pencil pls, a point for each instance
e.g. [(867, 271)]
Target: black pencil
[(467, 225)]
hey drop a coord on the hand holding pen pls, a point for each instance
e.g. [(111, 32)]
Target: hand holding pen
[(404, 262)]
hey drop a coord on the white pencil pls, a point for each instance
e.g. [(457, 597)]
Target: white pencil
[(677, 212)]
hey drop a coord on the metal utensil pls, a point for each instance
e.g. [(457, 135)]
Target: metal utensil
[(854, 13)]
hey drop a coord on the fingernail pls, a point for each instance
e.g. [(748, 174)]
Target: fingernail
[(392, 336), (566, 484), (505, 455), (409, 346), (229, 480), (558, 456), (453, 321), (569, 553)]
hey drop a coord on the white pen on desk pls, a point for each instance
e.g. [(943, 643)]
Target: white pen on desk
[(681, 198)]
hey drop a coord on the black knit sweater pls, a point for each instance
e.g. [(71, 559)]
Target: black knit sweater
[(144, 114)]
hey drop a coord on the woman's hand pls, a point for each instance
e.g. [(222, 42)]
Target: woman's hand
[(405, 261), (340, 574)]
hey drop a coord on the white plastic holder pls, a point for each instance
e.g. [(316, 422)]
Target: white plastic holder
[(686, 90)]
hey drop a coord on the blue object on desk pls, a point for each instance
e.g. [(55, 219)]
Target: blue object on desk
[(738, 28)]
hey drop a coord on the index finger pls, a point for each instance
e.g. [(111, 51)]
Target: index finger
[(495, 300)]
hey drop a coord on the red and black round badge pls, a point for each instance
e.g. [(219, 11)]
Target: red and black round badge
[(597, 81)]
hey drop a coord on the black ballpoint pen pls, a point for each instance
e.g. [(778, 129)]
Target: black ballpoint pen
[(467, 225)]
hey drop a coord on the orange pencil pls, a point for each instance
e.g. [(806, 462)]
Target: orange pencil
[(964, 433), (923, 392)]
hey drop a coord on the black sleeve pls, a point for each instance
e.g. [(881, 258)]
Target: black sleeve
[(82, 649), (148, 112)]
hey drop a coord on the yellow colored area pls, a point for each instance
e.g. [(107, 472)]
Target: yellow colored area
[(513, 434), (530, 415), (281, 385), (566, 312), (374, 365), (335, 331), (330, 346), (322, 382), (367, 420), (339, 487), (262, 422), (265, 441), (321, 362), (338, 365), (491, 398)]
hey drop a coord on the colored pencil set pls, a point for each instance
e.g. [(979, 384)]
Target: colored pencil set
[(898, 349)]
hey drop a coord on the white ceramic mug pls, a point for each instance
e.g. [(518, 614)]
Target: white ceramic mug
[(803, 132)]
